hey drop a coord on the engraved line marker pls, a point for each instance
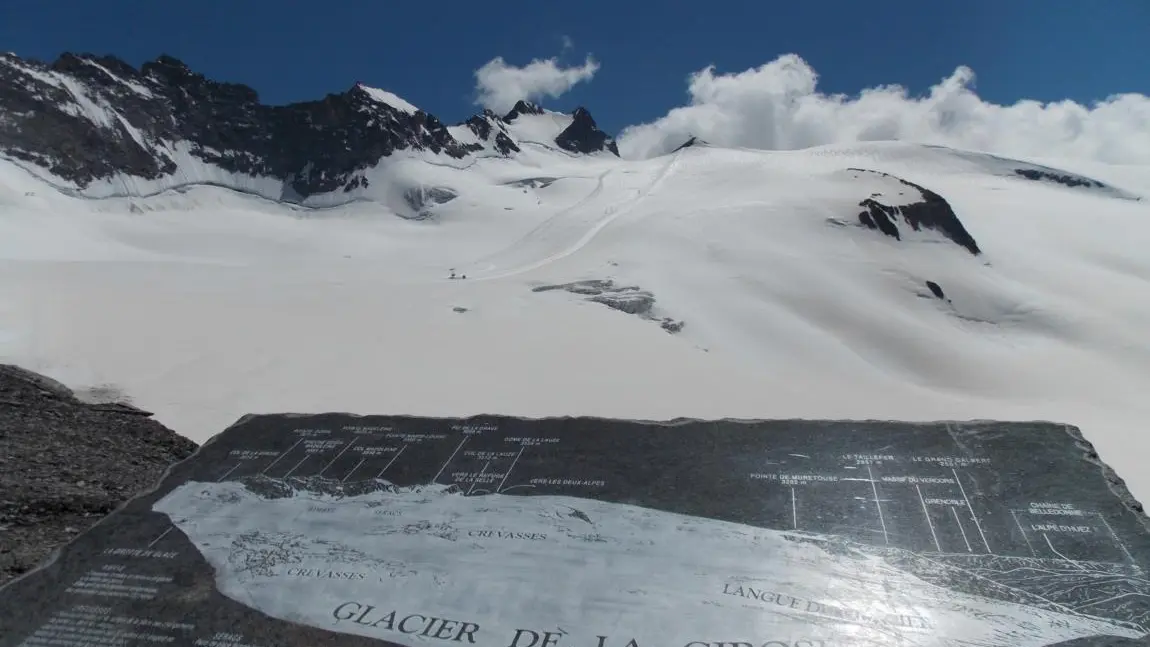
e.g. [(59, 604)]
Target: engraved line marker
[(348, 475), (508, 472), (337, 456), (1019, 524), (391, 461), (162, 535), (1055, 551), (874, 488), (306, 456), (927, 514), (971, 509), (963, 530), (476, 479), (450, 458), (1116, 539), (264, 470)]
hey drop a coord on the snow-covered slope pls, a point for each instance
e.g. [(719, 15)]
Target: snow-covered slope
[(206, 303)]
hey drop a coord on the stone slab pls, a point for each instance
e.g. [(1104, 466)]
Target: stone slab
[(290, 530)]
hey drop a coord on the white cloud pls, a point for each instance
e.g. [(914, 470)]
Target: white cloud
[(778, 106), (567, 42), (500, 85)]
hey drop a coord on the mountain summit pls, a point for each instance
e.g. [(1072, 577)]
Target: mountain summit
[(86, 119)]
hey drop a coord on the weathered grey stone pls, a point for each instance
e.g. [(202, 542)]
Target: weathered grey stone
[(635, 303), (588, 287), (65, 463), (338, 529), (533, 182), (422, 198), (624, 298)]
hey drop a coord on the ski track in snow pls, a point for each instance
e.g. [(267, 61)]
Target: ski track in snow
[(538, 243), (204, 304)]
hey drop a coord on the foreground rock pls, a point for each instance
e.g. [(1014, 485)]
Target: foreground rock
[(65, 463)]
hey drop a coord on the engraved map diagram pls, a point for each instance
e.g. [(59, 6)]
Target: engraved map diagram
[(510, 533)]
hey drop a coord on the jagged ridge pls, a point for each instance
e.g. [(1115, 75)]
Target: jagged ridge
[(85, 118)]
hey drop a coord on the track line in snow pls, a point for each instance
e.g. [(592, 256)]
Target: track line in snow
[(611, 214), (542, 228)]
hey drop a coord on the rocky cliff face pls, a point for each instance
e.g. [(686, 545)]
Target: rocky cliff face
[(86, 118), (584, 136)]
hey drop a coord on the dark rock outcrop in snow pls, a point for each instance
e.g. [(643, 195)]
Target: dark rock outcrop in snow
[(1064, 179), (584, 136), (633, 302), (522, 107), (486, 126), (533, 182), (86, 118), (931, 212), (421, 199), (65, 463), (624, 298), (692, 141), (935, 289)]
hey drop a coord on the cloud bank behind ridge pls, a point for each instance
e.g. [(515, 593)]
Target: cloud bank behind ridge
[(778, 106)]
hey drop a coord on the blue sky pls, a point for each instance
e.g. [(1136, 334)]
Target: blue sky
[(427, 52)]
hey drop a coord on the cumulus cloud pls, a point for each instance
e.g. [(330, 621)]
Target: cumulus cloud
[(499, 85), (778, 106)]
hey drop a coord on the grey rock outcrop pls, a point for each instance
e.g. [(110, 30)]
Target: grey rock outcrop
[(1065, 179), (64, 464), (624, 298), (421, 199), (930, 212)]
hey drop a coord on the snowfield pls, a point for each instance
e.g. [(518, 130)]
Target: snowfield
[(202, 303)]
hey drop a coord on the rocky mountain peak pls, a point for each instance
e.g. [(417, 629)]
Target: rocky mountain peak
[(522, 107), (489, 127), (88, 120), (584, 136)]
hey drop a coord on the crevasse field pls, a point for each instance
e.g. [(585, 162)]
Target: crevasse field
[(203, 298)]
